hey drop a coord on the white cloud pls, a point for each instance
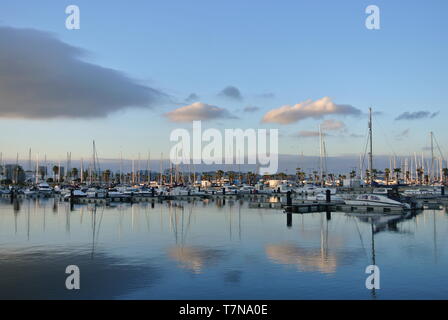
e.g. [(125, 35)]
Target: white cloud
[(309, 109), (198, 111)]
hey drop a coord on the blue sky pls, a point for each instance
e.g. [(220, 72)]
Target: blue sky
[(275, 53)]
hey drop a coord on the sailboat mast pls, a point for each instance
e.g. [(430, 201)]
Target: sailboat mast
[(161, 169), (320, 156), (37, 169), (82, 171), (432, 156), (93, 162), (371, 147), (148, 169)]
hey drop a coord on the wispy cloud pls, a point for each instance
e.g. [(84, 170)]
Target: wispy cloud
[(309, 109), (43, 77), (338, 129), (198, 111), (309, 134), (193, 97), (267, 95), (402, 134), (333, 125), (251, 109), (417, 115), (231, 92)]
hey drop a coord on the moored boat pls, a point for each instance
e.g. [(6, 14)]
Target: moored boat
[(375, 200), (44, 188)]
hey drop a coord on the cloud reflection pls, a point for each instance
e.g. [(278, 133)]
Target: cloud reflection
[(306, 259), (196, 259)]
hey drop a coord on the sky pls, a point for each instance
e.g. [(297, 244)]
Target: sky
[(135, 71)]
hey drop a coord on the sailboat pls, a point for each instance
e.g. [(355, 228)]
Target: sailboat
[(370, 199)]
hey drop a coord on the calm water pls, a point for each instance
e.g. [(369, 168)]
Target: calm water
[(215, 250)]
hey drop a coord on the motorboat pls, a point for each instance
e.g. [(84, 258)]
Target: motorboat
[(375, 200)]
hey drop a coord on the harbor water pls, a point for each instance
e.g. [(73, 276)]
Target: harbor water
[(217, 249)]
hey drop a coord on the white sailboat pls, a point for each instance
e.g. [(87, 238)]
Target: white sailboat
[(371, 199)]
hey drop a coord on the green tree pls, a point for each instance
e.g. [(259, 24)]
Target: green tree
[(219, 175), (387, 175), (55, 170), (445, 175), (397, 172), (75, 173), (106, 175)]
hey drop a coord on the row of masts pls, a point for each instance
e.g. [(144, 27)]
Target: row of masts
[(432, 171), (416, 169), (94, 175), (411, 169)]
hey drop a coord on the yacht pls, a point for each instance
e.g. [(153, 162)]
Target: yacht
[(44, 188), (76, 194), (114, 193), (96, 193), (144, 192), (180, 191), (323, 197), (5, 191), (381, 191), (229, 190), (422, 191), (30, 191), (311, 189), (247, 189)]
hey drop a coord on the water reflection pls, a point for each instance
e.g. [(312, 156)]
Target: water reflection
[(216, 249), (196, 259), (39, 274), (306, 259)]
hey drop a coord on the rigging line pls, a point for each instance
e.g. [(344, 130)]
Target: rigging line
[(438, 147), (386, 137), (360, 236), (99, 225), (365, 150), (188, 223)]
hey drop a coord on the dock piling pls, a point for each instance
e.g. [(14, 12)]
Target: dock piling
[(289, 220)]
